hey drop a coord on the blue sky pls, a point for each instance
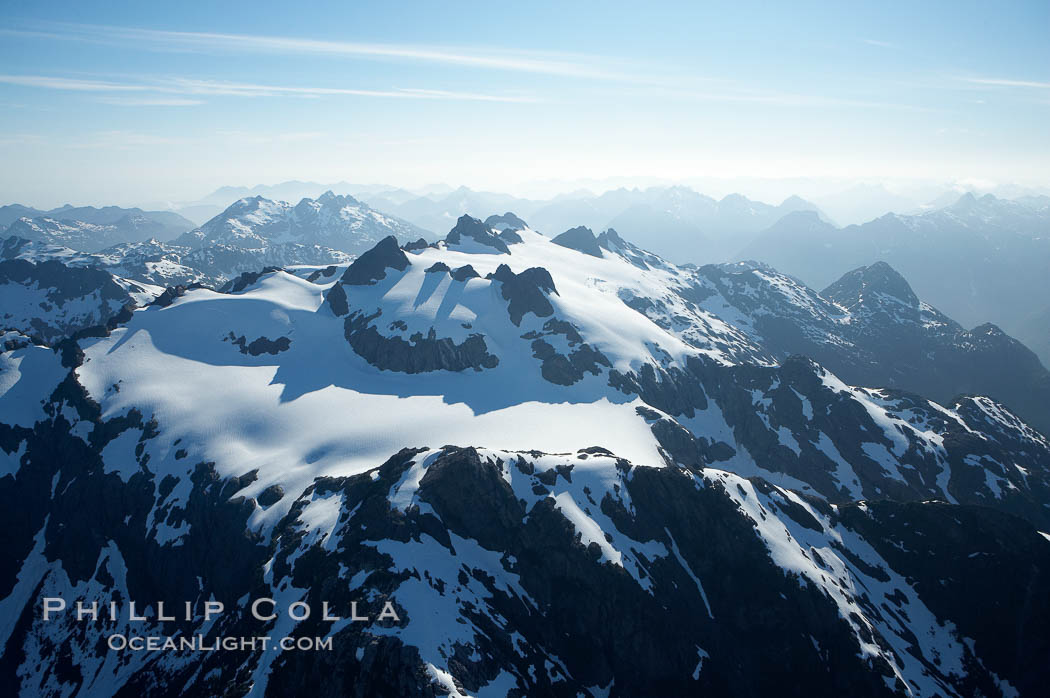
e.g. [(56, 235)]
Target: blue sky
[(138, 101)]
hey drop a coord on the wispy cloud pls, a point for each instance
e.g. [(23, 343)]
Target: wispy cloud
[(212, 87), (150, 101), (253, 138), (421, 93), (191, 86), (1006, 82), (547, 63), (776, 98), (76, 85), (610, 71)]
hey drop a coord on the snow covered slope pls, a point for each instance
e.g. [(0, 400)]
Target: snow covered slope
[(567, 467), (88, 229)]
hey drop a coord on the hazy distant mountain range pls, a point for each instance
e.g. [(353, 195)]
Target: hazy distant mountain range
[(843, 201), (88, 228), (252, 234), (980, 259), (215, 203), (675, 222)]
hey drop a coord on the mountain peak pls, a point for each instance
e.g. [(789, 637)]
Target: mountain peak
[(879, 279), (794, 201), (340, 200), (246, 203), (967, 200), (581, 239), (507, 220), (474, 228), (611, 237), (735, 199), (988, 329), (371, 266), (801, 220), (335, 222)]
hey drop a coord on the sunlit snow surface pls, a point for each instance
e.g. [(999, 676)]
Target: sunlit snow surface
[(319, 409)]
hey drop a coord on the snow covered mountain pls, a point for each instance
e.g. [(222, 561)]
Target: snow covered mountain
[(337, 222), (203, 210), (165, 264), (85, 236), (566, 467), (870, 328), (252, 234), (981, 259), (90, 229)]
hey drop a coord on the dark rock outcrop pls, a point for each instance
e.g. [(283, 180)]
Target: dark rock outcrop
[(611, 240), (247, 279), (337, 300), (270, 496), (418, 354), (371, 266), (326, 272), (473, 228), (563, 369), (510, 237), (419, 244), (527, 291), (465, 272), (259, 345), (581, 239)]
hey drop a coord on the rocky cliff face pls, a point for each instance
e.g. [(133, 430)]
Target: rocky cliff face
[(50, 301)]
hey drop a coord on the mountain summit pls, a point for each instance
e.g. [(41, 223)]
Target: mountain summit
[(335, 222), (879, 278)]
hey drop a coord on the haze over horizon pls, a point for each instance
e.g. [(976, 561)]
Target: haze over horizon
[(134, 103)]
